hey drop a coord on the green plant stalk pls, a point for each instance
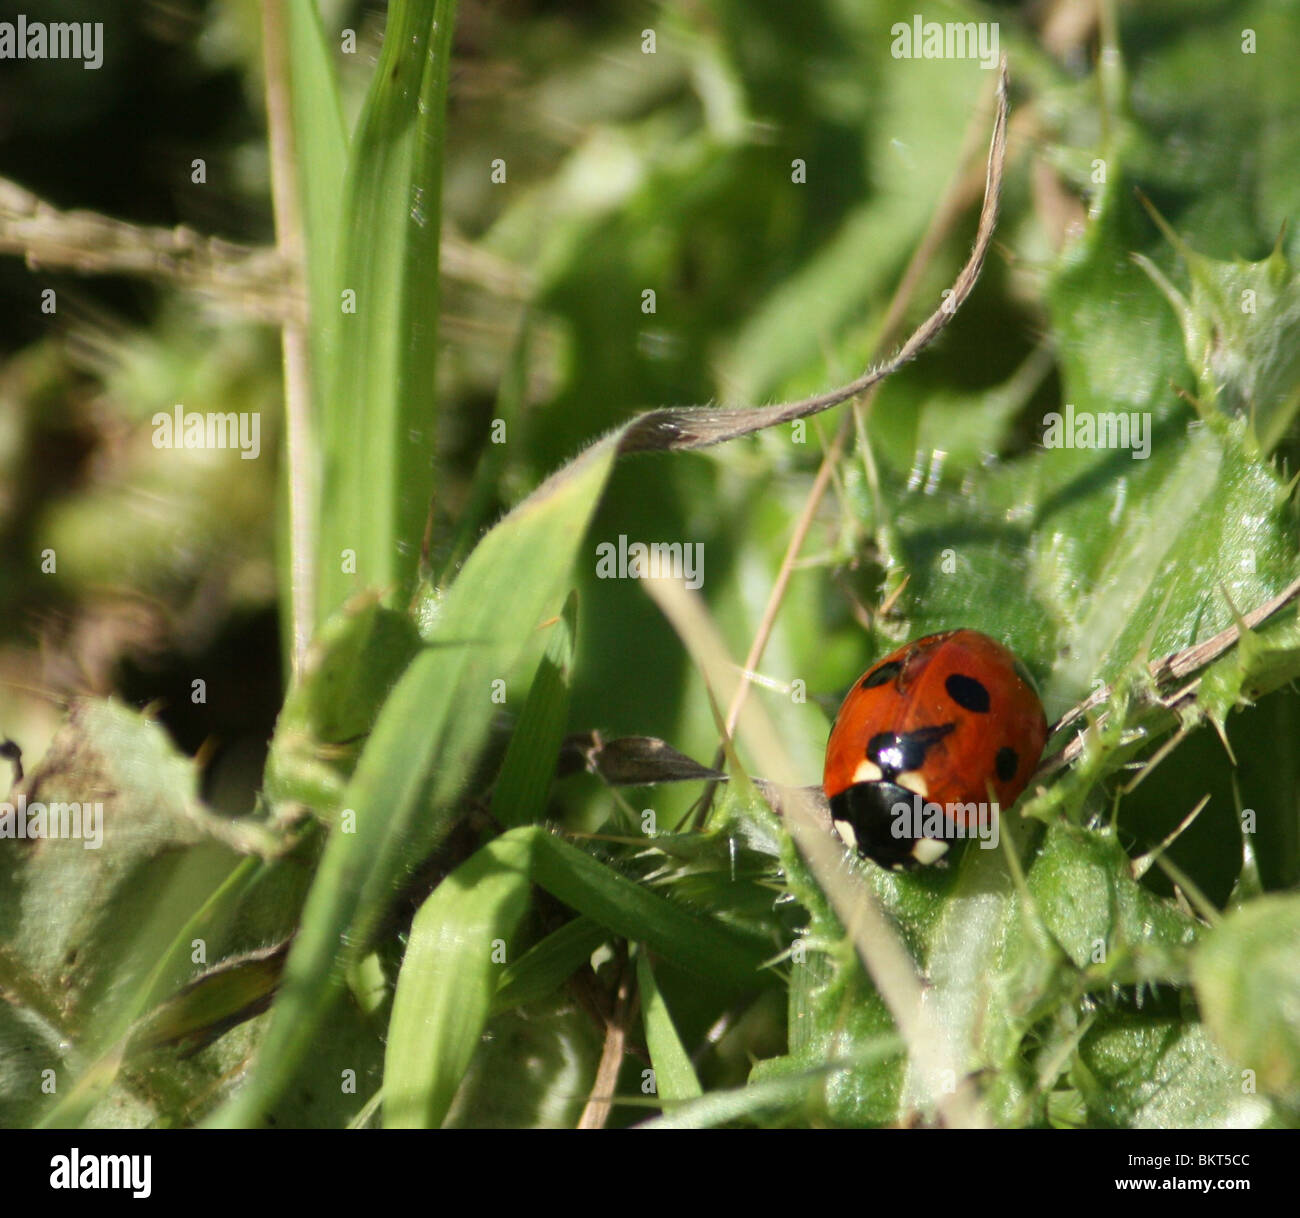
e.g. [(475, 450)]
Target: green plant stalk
[(378, 429), (308, 153)]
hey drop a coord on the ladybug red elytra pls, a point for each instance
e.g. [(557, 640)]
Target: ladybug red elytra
[(929, 742)]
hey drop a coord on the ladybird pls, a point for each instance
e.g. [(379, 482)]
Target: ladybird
[(929, 742)]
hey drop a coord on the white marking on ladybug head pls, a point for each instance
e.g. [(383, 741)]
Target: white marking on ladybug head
[(915, 782), (845, 830), (928, 850), (867, 771)]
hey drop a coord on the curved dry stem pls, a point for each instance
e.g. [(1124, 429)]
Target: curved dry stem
[(676, 429), (1172, 668)]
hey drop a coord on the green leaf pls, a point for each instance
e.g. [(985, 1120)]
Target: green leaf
[(1098, 914), (308, 151), (449, 974), (1139, 1073), (729, 958), (675, 1077), (220, 997), (547, 965), (771, 1098), (447, 984), (350, 668), (834, 1014), (91, 908), (532, 1070), (1241, 327), (525, 779), (380, 413), (416, 762), (1247, 976), (320, 158)]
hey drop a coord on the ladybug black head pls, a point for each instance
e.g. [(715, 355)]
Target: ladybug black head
[(866, 819)]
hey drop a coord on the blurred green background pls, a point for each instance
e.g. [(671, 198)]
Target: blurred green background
[(672, 172)]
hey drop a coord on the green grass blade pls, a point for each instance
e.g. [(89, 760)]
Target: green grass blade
[(445, 991), (526, 773), (445, 988), (546, 966), (675, 1077), (692, 941), (611, 902), (308, 158), (782, 1098), (380, 412), (421, 751), (321, 148)]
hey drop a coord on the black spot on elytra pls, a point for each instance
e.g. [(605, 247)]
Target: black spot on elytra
[(897, 752), (968, 693), (878, 676), (1007, 763)]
